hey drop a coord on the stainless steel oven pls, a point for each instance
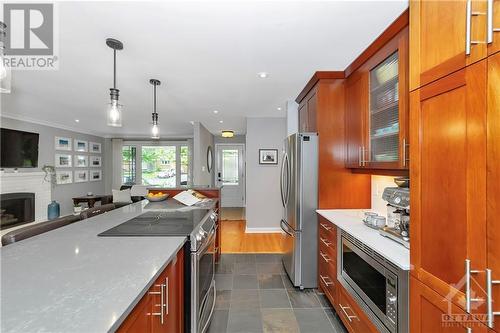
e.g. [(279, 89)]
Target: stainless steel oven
[(203, 281), (377, 285)]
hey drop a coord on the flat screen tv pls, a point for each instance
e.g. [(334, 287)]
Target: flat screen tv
[(19, 149)]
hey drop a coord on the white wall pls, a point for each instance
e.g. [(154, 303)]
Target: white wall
[(292, 117), (263, 207), (379, 183), (202, 139)]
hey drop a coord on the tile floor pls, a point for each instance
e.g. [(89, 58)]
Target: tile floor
[(255, 295)]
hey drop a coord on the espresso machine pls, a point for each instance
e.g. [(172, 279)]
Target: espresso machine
[(398, 215)]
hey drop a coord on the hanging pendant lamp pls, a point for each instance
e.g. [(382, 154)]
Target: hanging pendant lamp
[(155, 130), (114, 112)]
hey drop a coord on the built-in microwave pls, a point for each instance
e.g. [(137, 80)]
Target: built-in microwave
[(379, 287)]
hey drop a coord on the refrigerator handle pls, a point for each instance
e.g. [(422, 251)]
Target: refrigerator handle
[(288, 176), (284, 227), (281, 180)]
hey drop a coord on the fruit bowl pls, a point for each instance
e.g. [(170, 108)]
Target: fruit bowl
[(156, 197)]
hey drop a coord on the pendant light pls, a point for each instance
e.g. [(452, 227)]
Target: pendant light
[(114, 112), (155, 130), (5, 74)]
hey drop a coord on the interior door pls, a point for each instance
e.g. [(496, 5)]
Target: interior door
[(231, 174), (493, 179), (449, 182)]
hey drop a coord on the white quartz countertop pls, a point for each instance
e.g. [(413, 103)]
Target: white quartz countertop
[(71, 280), (351, 221)]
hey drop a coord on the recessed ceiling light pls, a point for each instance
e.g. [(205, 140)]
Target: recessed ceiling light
[(263, 75), (221, 121), (77, 120), (279, 108), (216, 111)]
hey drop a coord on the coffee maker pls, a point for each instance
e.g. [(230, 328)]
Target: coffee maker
[(398, 215)]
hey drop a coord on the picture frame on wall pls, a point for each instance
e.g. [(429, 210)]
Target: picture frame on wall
[(63, 161), (81, 176), (95, 147), (81, 146), (268, 156), (95, 161), (81, 161), (62, 143), (95, 175), (64, 177)]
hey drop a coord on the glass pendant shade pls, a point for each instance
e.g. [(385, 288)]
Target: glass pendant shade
[(155, 132), (114, 114)]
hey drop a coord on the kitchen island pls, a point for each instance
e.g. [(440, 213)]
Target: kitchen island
[(71, 280)]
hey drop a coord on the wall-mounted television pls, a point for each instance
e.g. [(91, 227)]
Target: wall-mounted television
[(19, 149)]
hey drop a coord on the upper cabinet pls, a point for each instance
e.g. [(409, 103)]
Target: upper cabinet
[(446, 36), (377, 109)]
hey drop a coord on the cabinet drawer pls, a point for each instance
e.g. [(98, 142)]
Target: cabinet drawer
[(327, 230), (352, 315), (327, 245), (327, 281)]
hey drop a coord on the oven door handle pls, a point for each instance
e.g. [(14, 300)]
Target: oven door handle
[(210, 239)]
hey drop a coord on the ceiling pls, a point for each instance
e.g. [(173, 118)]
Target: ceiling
[(207, 55)]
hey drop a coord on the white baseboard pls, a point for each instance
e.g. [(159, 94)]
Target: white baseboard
[(262, 230)]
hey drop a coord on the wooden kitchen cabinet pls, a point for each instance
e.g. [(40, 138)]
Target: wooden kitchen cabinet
[(164, 299), (353, 317), (438, 36), (432, 313), (307, 112), (327, 258), (377, 109), (448, 184), (493, 179), (494, 28)]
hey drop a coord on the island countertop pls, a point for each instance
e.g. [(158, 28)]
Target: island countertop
[(351, 221), (71, 280)]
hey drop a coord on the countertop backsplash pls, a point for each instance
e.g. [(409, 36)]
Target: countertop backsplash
[(379, 183)]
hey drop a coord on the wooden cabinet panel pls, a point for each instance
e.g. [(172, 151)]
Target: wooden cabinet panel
[(494, 46), (356, 111), (448, 180), (493, 178), (352, 315), (312, 101), (166, 296), (327, 258), (438, 38), (432, 313), (303, 117)]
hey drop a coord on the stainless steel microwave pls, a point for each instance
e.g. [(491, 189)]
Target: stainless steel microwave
[(379, 287)]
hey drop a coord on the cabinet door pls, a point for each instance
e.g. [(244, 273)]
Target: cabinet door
[(140, 319), (312, 101), (493, 179), (494, 28), (448, 185), (439, 34), (303, 117), (356, 110), (433, 313)]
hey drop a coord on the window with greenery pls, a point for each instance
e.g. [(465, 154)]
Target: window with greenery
[(129, 155), (159, 167)]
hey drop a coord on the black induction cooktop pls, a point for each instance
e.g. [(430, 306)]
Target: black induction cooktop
[(159, 223)]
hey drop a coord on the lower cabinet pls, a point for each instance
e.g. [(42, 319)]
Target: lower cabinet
[(432, 313), (351, 314), (161, 309)]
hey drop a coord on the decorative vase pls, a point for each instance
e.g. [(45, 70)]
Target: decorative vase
[(53, 210)]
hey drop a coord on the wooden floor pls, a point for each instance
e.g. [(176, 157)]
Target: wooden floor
[(235, 240)]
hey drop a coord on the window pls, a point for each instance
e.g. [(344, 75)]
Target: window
[(159, 166), (129, 154), (230, 174), (184, 165)]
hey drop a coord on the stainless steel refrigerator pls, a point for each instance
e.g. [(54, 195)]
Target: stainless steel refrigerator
[(299, 197)]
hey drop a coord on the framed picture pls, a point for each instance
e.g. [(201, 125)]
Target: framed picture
[(63, 161), (81, 161), (62, 143), (95, 161), (95, 147), (81, 176), (81, 146), (268, 156), (95, 175), (64, 177)]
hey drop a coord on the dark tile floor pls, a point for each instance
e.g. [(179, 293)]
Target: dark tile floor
[(254, 294)]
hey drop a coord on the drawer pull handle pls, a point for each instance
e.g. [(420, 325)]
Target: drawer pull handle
[(326, 227), (325, 257), (323, 278), (324, 241), (350, 318)]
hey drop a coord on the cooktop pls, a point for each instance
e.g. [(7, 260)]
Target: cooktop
[(159, 223)]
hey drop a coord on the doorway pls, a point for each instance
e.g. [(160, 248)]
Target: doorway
[(230, 174)]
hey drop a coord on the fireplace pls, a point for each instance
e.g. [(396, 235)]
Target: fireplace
[(16, 209)]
